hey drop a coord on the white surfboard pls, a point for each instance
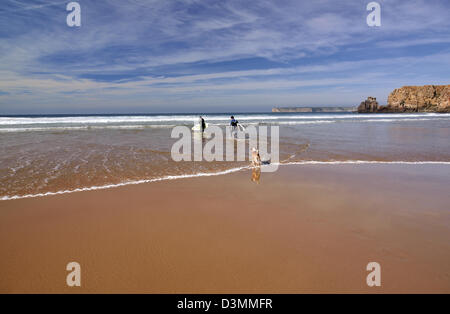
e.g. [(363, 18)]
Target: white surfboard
[(196, 128)]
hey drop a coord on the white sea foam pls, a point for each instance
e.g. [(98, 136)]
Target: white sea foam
[(402, 120), (208, 174), (345, 162), (9, 121), (304, 122), (86, 127), (109, 186), (90, 119), (32, 124), (354, 120)]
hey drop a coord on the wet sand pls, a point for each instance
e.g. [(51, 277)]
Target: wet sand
[(308, 228)]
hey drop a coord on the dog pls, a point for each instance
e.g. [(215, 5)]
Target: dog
[(256, 159)]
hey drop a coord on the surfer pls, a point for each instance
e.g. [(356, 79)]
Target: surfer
[(234, 123), (235, 127), (202, 124)]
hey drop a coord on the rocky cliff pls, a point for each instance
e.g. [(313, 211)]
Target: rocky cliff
[(428, 98)]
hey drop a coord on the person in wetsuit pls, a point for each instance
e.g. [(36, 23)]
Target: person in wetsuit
[(234, 123), (234, 126), (202, 124)]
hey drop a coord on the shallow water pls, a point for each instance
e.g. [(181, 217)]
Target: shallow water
[(47, 154)]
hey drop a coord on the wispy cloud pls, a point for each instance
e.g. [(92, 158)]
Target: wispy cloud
[(190, 52), (16, 6)]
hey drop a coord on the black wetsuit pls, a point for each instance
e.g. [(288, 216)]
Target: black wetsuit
[(203, 125)]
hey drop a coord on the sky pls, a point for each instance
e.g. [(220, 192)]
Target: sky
[(149, 56)]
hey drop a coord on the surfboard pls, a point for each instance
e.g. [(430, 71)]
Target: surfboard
[(196, 128)]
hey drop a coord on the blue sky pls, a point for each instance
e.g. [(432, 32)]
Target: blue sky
[(215, 56)]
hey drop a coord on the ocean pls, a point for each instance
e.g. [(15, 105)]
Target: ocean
[(54, 154)]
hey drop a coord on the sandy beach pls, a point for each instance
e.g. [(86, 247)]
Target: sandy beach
[(129, 129), (304, 228)]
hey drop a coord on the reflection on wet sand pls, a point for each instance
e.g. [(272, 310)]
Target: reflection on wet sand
[(256, 174)]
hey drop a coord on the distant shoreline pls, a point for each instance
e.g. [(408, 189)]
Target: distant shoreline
[(314, 109)]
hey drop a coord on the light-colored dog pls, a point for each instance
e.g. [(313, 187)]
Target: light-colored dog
[(256, 159)]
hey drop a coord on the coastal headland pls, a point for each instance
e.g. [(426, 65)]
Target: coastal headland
[(428, 98)]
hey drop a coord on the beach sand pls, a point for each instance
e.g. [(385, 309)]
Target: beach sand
[(304, 228)]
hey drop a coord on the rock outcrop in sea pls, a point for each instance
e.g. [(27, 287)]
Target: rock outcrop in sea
[(428, 98), (369, 105)]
